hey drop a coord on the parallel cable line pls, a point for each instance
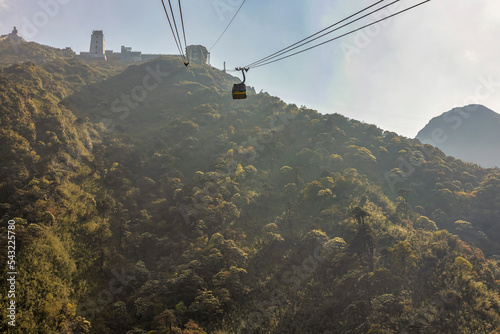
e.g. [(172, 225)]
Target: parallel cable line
[(183, 31), (179, 48), (283, 51), (175, 25), (348, 33)]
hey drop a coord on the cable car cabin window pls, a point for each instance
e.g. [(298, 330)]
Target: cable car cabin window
[(239, 91)]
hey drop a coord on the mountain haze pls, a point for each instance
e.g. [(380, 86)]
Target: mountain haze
[(470, 133), (146, 200)]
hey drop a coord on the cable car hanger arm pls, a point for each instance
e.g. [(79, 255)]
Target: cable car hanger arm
[(243, 70)]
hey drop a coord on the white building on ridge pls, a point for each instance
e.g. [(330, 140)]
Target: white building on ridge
[(96, 49)]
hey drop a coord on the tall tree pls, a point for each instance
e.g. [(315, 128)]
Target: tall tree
[(360, 215), (404, 206), (363, 242)]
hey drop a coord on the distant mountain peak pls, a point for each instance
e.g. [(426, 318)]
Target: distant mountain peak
[(471, 109), (470, 133)]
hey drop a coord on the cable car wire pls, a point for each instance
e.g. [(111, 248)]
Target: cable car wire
[(348, 33), (175, 34), (172, 29), (175, 24), (183, 32), (277, 54), (218, 39), (282, 51)]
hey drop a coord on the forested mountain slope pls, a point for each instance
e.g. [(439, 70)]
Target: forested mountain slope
[(151, 201), (18, 50)]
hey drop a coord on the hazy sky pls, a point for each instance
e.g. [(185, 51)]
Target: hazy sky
[(397, 75)]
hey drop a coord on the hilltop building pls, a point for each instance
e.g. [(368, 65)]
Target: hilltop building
[(96, 49), (12, 37), (128, 54), (197, 54)]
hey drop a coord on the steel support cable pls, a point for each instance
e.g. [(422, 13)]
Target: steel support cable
[(282, 51), (218, 39), (183, 31), (348, 33), (175, 25), (171, 28)]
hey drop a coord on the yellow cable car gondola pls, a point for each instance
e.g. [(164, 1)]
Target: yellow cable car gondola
[(240, 90)]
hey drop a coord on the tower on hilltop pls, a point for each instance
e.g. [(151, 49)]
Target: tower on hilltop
[(198, 54), (97, 44)]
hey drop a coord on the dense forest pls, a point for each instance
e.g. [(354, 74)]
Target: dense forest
[(146, 200)]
